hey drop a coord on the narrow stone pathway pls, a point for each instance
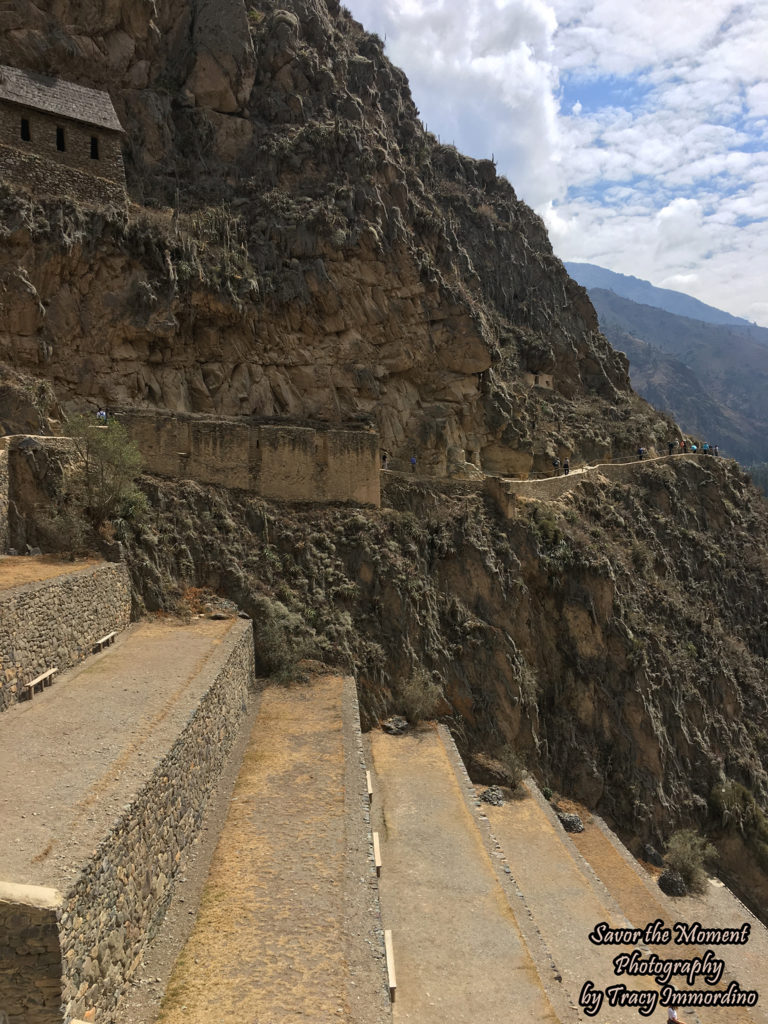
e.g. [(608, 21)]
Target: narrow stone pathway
[(276, 939), (459, 952)]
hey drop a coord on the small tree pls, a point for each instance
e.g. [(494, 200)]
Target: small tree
[(108, 463)]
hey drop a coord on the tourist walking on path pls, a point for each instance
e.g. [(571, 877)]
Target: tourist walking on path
[(566, 467), (413, 463), (556, 467)]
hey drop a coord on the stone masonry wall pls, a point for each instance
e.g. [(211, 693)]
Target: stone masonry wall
[(4, 498), (30, 956), (56, 622), (122, 894), (43, 177), (283, 463)]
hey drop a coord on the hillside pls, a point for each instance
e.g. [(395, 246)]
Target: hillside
[(646, 294), (297, 248), (711, 378)]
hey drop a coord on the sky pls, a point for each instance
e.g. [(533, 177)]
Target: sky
[(637, 129)]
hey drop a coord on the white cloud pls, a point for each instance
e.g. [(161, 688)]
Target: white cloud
[(666, 179)]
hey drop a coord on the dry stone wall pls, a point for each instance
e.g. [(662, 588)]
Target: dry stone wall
[(283, 463), (42, 177), (30, 956), (73, 954), (122, 894), (4, 496), (57, 621)]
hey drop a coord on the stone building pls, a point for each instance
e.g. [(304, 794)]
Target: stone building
[(58, 138)]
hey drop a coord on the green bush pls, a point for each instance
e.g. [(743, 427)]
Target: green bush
[(103, 480), (687, 852)]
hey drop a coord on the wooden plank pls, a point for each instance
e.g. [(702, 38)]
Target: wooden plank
[(377, 852), (41, 680), (370, 786), (390, 954), (105, 641)]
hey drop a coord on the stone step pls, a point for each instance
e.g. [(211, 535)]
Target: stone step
[(461, 953)]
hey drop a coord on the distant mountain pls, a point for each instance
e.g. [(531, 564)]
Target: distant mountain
[(712, 378), (637, 290)]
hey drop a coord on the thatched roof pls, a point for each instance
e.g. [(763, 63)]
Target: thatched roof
[(55, 96)]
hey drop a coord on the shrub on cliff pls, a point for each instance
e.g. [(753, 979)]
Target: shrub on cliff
[(687, 852), (420, 697)]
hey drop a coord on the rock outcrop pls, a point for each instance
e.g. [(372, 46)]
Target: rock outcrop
[(299, 247), (311, 250)]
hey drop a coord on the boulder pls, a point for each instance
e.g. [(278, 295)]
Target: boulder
[(570, 822), (671, 883)]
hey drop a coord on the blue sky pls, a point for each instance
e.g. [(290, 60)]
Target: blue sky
[(639, 131)]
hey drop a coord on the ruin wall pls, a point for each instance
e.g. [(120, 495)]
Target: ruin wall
[(282, 463), (43, 177), (77, 142), (30, 955)]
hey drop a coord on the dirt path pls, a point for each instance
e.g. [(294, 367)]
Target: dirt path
[(72, 757), (271, 943), (459, 953)]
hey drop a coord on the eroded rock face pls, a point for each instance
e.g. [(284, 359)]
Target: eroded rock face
[(312, 252)]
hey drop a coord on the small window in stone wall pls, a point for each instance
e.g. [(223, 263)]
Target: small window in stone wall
[(26, 135), (94, 147), (60, 144)]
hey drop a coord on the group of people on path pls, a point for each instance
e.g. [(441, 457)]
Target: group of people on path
[(682, 447), (565, 465)]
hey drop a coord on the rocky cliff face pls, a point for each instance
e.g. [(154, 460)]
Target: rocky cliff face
[(615, 637), (298, 246), (310, 250)]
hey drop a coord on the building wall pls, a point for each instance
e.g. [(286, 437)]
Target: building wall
[(539, 380), (77, 140), (57, 621), (123, 892), (30, 955), (283, 463)]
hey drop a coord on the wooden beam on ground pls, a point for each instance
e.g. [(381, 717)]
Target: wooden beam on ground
[(390, 954), (377, 852)]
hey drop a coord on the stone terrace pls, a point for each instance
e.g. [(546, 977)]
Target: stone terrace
[(105, 777)]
